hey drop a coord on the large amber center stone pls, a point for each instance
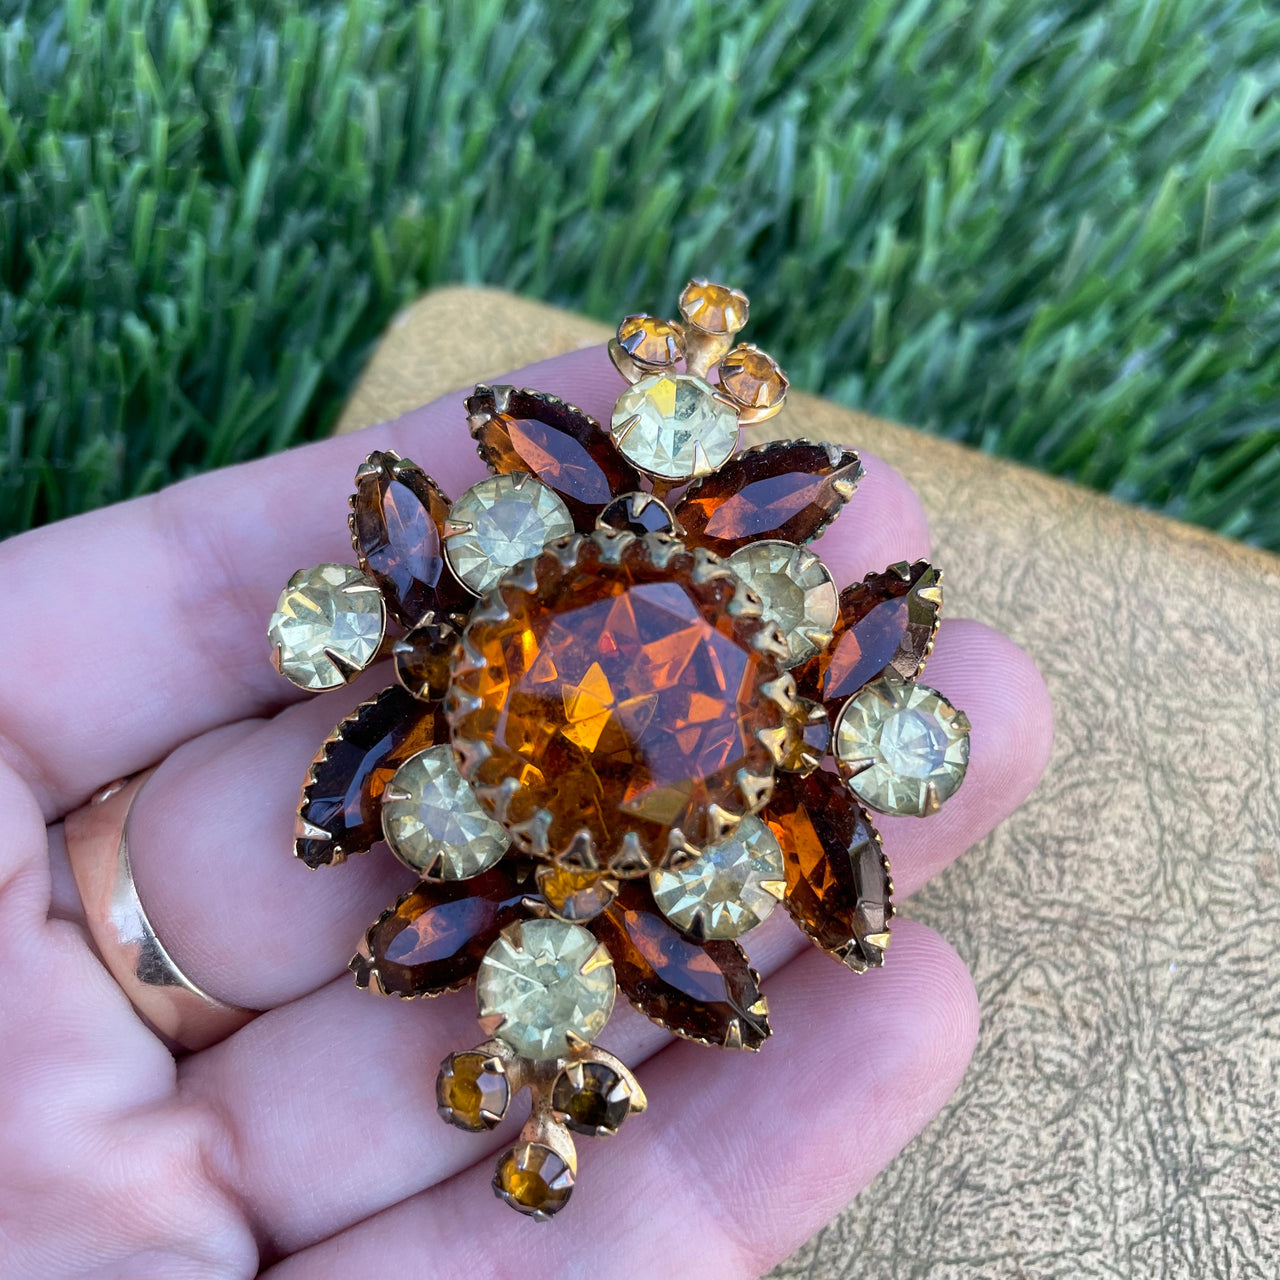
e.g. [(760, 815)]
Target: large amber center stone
[(608, 702)]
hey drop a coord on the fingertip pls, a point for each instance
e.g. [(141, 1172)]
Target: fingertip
[(881, 524), (997, 685), (941, 1030)]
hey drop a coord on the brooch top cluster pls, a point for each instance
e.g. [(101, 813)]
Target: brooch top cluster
[(620, 673)]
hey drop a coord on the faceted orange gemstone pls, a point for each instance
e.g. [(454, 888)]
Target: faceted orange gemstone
[(614, 703), (575, 895), (888, 619), (652, 342), (533, 1179), (467, 1095), (838, 886), (713, 308), (752, 378), (788, 489)]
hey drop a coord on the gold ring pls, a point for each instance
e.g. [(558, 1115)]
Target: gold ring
[(164, 997)]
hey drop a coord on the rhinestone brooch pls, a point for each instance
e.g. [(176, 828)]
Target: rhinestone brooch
[(630, 714)]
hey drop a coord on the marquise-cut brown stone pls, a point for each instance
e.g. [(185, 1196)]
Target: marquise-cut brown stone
[(341, 810), (397, 514), (704, 991), (788, 489), (435, 936), (568, 450), (838, 886), (888, 620), (615, 697)]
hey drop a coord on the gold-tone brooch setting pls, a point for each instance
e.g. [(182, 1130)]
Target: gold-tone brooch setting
[(631, 714)]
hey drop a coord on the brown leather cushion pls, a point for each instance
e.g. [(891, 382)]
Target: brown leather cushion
[(1122, 1115)]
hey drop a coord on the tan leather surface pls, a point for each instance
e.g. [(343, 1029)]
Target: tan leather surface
[(1122, 1114)]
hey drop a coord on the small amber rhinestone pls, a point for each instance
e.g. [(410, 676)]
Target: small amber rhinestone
[(592, 1097), (713, 308), (638, 513), (575, 896), (807, 737), (533, 1179), (423, 656), (752, 378), (650, 341), (470, 1095)]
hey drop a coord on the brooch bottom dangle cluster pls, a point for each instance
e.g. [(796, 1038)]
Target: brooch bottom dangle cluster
[(631, 715)]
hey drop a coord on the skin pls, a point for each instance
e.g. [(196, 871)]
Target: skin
[(306, 1145)]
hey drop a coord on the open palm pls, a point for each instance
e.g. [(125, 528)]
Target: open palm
[(307, 1144)]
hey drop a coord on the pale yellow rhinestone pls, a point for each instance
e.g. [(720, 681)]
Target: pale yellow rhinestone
[(542, 983), (901, 746), (672, 425), (729, 888), (433, 821), (798, 592), (500, 522), (327, 625)]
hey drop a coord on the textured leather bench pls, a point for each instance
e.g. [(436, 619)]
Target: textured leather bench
[(1122, 1114)]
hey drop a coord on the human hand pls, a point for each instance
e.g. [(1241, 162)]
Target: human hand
[(306, 1144)]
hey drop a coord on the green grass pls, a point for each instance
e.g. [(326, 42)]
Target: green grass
[(1049, 229)]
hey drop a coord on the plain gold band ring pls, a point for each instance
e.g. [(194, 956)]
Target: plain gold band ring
[(168, 1001)]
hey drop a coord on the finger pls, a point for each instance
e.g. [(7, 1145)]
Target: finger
[(344, 1071), (176, 589), (998, 686), (986, 674), (97, 1168), (768, 1148), (210, 831)]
